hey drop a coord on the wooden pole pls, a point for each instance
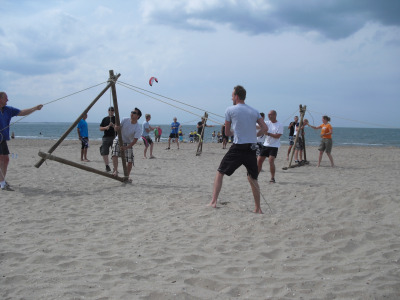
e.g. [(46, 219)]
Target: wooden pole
[(118, 123), (79, 166), (302, 112), (200, 146), (54, 147)]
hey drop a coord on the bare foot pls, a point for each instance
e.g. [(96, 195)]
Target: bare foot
[(115, 173), (212, 204), (86, 160), (258, 211)]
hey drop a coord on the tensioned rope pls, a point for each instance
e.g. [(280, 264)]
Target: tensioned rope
[(356, 121), (136, 89), (58, 99)]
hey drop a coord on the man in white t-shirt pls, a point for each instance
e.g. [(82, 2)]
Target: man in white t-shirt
[(242, 119), (146, 128), (271, 144), (131, 131)]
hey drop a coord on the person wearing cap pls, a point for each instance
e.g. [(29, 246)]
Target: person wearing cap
[(131, 131), (107, 126)]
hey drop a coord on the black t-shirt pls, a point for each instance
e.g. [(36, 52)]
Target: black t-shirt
[(291, 129), (106, 121), (200, 129)]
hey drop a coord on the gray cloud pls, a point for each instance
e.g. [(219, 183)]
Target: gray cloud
[(332, 19)]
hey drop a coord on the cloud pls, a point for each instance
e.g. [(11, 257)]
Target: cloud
[(39, 48), (331, 19)]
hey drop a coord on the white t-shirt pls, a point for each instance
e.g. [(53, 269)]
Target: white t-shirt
[(243, 119), (260, 139), (145, 126), (274, 128), (130, 131)]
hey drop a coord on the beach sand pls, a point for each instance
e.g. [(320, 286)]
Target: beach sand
[(333, 233)]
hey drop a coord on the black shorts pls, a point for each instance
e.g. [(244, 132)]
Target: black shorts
[(4, 148), (85, 142), (237, 155), (269, 151), (173, 136), (147, 140), (106, 145)]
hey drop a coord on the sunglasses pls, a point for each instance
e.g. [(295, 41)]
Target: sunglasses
[(134, 112)]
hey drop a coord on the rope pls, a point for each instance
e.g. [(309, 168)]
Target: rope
[(120, 82), (133, 88), (251, 180), (19, 120), (356, 121)]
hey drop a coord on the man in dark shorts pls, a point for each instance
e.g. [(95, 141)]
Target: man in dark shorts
[(271, 144), (148, 142), (174, 133), (291, 127), (107, 125), (242, 119), (6, 113), (83, 133)]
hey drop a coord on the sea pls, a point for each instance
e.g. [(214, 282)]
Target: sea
[(342, 136)]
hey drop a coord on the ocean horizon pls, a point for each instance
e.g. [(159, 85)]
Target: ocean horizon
[(343, 136)]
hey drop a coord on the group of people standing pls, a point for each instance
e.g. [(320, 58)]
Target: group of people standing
[(255, 140), (247, 126)]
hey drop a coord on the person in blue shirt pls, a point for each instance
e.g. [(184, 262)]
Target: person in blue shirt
[(6, 113), (83, 134), (174, 133)]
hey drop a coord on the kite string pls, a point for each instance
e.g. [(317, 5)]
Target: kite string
[(356, 121)]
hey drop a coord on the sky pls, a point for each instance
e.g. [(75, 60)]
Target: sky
[(339, 58)]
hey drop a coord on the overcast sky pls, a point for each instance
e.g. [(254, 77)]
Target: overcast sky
[(338, 57)]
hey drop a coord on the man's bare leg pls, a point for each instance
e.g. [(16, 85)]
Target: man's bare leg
[(255, 188), (216, 189), (4, 160), (271, 161), (151, 150), (331, 159), (320, 158), (260, 161), (115, 165)]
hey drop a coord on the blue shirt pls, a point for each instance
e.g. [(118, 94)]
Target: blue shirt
[(83, 128), (5, 119), (175, 127)]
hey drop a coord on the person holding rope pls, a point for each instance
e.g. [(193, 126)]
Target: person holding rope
[(200, 127), (107, 125), (242, 119), (6, 113), (326, 142), (291, 127)]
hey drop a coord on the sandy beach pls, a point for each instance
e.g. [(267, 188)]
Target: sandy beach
[(333, 233)]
